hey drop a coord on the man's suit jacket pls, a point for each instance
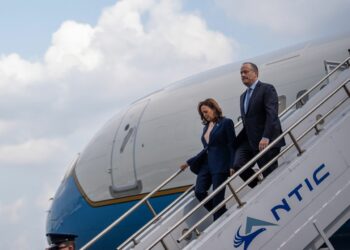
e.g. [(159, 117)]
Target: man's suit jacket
[(219, 153), (261, 119)]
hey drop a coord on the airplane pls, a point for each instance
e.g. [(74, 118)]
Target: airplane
[(147, 141)]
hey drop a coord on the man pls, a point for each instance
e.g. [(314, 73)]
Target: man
[(261, 125), (61, 242), (67, 245)]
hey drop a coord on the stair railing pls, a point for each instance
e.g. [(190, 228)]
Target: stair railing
[(144, 200), (252, 161), (346, 63), (234, 194), (133, 237), (156, 217)]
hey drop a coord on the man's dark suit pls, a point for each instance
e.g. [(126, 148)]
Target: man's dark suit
[(260, 121), (213, 163)]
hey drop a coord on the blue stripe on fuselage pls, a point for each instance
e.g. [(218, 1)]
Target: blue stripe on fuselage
[(71, 214)]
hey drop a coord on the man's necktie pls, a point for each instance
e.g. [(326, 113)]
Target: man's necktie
[(247, 98)]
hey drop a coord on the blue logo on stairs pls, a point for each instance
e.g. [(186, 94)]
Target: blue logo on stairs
[(250, 236)]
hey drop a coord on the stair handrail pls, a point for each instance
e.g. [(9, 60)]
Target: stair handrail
[(346, 61), (234, 193), (132, 238), (254, 159), (326, 77), (145, 199), (132, 209)]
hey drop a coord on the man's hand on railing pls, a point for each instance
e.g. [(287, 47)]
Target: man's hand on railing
[(232, 171), (184, 166)]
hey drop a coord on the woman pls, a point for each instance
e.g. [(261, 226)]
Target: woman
[(212, 165)]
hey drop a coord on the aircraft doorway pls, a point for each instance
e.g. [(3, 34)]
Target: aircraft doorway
[(123, 170)]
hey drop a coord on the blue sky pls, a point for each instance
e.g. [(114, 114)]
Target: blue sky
[(26, 27), (67, 67), (33, 23)]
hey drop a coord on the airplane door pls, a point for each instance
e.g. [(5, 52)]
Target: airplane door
[(123, 170)]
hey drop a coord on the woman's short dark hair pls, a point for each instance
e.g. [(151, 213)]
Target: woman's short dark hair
[(212, 104)]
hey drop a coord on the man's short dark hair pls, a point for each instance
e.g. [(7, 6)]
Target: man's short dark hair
[(254, 67)]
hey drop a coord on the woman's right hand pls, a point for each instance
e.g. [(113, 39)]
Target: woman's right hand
[(184, 166)]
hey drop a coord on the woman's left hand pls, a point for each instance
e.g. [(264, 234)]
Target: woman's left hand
[(184, 166)]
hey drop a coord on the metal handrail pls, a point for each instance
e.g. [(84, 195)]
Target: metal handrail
[(248, 164), (127, 213), (155, 219), (326, 77), (236, 126), (145, 199), (275, 158)]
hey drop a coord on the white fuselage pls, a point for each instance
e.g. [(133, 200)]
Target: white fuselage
[(146, 142)]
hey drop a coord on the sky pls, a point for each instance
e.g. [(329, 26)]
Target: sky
[(68, 67)]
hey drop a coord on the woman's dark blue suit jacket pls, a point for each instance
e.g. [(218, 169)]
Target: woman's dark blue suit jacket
[(220, 151)]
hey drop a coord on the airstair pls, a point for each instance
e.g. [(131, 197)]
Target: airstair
[(298, 206)]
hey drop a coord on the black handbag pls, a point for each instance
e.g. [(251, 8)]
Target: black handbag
[(197, 161)]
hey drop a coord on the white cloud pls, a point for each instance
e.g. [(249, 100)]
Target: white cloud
[(43, 199), (16, 71), (153, 41), (5, 127), (23, 241), (136, 47), (31, 152), (289, 18), (22, 226), (51, 106), (71, 48), (11, 213)]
